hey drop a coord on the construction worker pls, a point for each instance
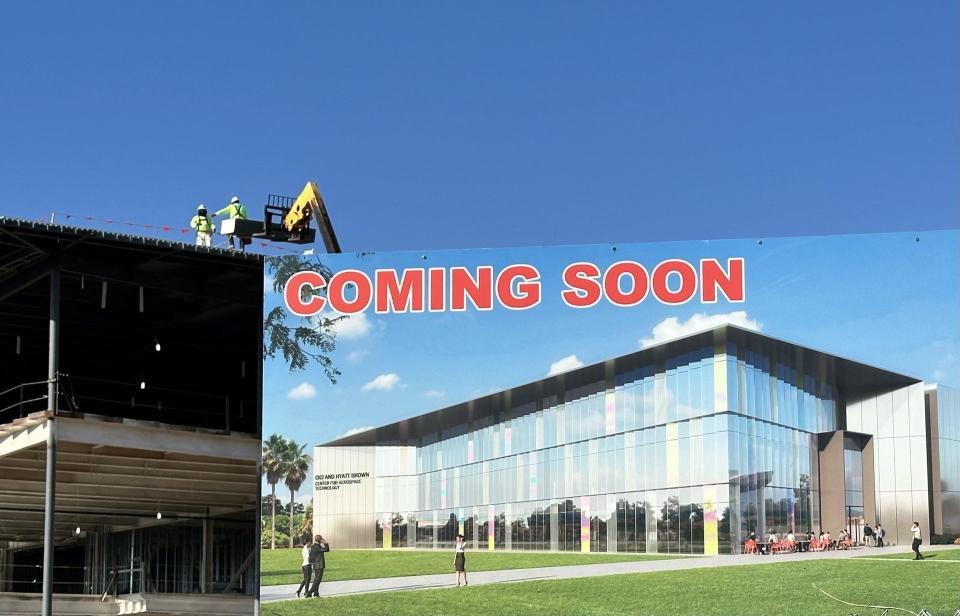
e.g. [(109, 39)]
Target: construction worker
[(203, 223), (234, 209)]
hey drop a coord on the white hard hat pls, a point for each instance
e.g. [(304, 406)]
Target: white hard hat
[(201, 207), (235, 200)]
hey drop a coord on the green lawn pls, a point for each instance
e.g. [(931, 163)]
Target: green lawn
[(283, 566), (783, 589), (949, 554)]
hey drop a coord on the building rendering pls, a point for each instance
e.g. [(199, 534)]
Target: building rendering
[(684, 447), (130, 424)]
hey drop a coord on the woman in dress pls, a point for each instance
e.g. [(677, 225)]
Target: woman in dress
[(460, 560)]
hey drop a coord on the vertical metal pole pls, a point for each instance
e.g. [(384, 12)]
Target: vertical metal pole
[(133, 540), (51, 483), (258, 402), (205, 556)]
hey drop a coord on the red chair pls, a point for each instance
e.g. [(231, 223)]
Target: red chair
[(750, 547)]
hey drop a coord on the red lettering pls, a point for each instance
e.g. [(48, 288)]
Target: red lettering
[(584, 289), (639, 286), (479, 290), (404, 295), (731, 283), (293, 294), (438, 283), (528, 291), (688, 281), (336, 291)]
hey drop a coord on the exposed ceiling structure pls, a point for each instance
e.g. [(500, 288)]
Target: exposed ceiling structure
[(120, 474)]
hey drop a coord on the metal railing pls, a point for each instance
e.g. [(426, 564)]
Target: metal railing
[(280, 201), (23, 399), (124, 399)]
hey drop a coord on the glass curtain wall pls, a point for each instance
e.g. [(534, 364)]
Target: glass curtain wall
[(948, 418), (688, 454)]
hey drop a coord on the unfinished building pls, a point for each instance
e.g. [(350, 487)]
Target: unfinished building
[(130, 378)]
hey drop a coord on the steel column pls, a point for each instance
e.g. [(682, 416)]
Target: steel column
[(51, 483)]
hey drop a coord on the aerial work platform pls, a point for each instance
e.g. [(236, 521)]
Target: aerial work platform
[(288, 220)]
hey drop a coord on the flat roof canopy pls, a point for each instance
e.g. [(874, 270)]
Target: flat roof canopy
[(848, 375)]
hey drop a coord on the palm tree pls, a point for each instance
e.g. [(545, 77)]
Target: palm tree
[(274, 450), (296, 463)]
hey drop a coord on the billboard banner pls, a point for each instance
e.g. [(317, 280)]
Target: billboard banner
[(667, 398)]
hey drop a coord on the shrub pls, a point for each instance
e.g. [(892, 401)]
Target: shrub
[(283, 539)]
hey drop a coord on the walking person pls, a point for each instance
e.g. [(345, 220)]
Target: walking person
[(319, 562), (868, 535), (917, 540), (879, 533), (460, 560), (305, 567)]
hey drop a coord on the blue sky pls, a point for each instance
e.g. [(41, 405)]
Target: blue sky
[(449, 124), (884, 299)]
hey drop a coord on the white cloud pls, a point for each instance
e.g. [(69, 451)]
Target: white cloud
[(672, 328), (434, 394), (303, 391), (267, 284), (352, 327), (563, 365), (305, 498), (355, 357), (384, 382), (353, 431), (947, 361)]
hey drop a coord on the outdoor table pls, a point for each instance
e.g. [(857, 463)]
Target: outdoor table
[(763, 547), (803, 545)]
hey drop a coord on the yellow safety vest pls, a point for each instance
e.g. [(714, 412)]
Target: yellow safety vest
[(234, 210), (203, 224)]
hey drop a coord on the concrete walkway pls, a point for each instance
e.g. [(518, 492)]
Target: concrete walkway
[(446, 580)]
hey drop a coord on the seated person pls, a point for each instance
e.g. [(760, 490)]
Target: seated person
[(847, 541)]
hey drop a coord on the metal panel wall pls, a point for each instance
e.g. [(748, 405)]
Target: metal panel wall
[(343, 497), (896, 419)]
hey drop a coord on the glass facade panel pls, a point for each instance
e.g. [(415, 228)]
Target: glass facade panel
[(948, 445), (686, 454)]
